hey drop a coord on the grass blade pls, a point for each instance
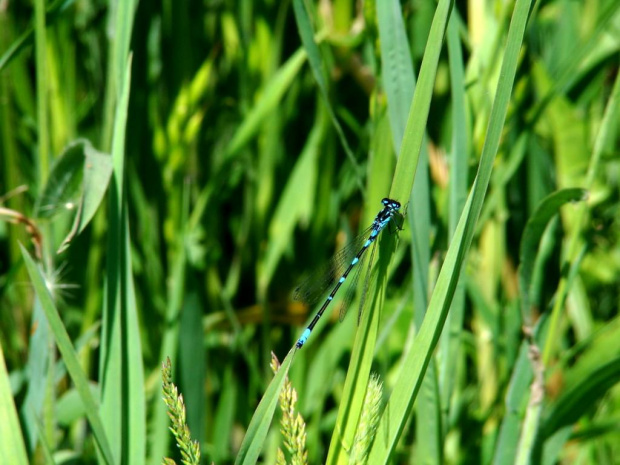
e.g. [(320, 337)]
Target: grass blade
[(532, 235), (418, 112), (69, 356), (314, 57), (358, 373), (261, 421), (597, 370), (451, 338), (121, 369), (506, 448), (291, 207), (40, 36), (397, 68), (416, 362), (53, 12), (269, 101), (12, 447)]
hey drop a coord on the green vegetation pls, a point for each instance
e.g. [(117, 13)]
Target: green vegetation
[(170, 172)]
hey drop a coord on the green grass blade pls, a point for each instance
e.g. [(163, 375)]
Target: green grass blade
[(12, 446), (268, 102), (192, 356), (397, 69), (399, 87), (134, 399), (358, 374), (122, 24), (418, 112), (159, 435), (295, 202), (121, 370), (416, 361), (224, 417), (40, 35), (506, 448), (532, 235), (314, 57), (261, 421), (69, 357), (461, 147), (53, 12), (603, 140), (597, 371), (38, 369), (451, 338), (408, 384), (399, 83)]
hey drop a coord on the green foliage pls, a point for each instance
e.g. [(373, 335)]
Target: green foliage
[(169, 172)]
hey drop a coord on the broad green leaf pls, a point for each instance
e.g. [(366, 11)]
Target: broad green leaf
[(63, 187), (77, 184), (97, 173)]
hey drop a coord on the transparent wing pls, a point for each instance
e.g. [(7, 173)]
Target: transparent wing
[(398, 221), (322, 279), (366, 281), (352, 285)]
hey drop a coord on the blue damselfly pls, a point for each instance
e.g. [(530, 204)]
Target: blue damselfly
[(314, 287)]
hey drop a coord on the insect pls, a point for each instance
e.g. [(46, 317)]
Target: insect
[(314, 287)]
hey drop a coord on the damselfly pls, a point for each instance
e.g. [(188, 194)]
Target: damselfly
[(311, 290)]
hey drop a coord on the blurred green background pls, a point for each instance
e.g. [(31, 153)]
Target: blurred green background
[(194, 161)]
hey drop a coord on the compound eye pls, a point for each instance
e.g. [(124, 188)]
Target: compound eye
[(385, 201)]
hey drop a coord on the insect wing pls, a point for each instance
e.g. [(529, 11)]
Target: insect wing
[(321, 280), (352, 286)]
